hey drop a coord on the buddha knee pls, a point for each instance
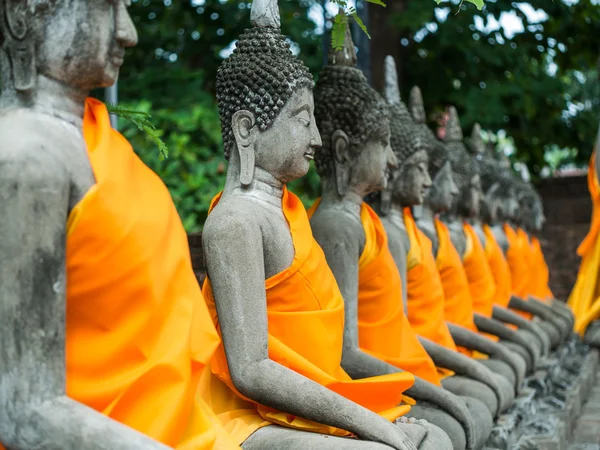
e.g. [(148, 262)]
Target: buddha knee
[(442, 420), (274, 437), (468, 387), (434, 437), (501, 368), (484, 422)]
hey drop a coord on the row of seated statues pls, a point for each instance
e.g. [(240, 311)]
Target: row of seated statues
[(408, 308)]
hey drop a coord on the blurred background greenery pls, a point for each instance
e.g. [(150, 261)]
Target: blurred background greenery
[(526, 71)]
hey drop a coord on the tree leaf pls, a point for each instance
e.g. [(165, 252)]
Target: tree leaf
[(338, 33), (380, 3), (478, 3), (361, 24)]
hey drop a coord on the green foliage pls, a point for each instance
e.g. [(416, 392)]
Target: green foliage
[(478, 3), (340, 23), (142, 121), (195, 169), (539, 85)]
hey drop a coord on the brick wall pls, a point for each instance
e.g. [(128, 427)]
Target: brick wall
[(568, 210)]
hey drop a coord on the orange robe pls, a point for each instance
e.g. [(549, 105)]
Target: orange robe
[(499, 267), (479, 274), (383, 328), (519, 268), (585, 297), (458, 306), (541, 288), (306, 326), (424, 288), (139, 335)]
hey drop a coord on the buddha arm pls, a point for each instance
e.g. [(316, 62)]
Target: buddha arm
[(462, 365), (556, 313), (34, 409), (341, 248), (507, 316), (496, 328), (233, 249), (540, 310), (468, 339)]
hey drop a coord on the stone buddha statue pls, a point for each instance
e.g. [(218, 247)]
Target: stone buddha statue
[(462, 220), (356, 160), (412, 254), (269, 288), (458, 308), (103, 327)]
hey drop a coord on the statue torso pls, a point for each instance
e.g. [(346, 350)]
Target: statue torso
[(457, 235), (27, 136), (478, 227), (428, 228), (500, 237), (277, 244)]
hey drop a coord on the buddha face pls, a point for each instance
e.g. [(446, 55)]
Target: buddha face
[(287, 147), (412, 180), (491, 205), (444, 190), (84, 43), (472, 196), (373, 165)]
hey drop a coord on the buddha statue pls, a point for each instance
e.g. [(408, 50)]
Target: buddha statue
[(356, 160), (411, 251), (458, 305), (463, 220), (271, 293), (104, 331)]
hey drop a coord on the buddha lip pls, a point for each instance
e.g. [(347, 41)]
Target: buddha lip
[(309, 155)]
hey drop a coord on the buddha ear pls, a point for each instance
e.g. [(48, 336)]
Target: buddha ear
[(244, 133), (340, 144)]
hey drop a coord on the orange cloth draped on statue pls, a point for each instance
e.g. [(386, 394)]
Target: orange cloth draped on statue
[(517, 262), (306, 326), (541, 288), (458, 306), (139, 335), (479, 274), (585, 297), (383, 328), (425, 292), (499, 267)]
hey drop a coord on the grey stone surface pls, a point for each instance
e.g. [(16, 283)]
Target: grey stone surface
[(51, 55)]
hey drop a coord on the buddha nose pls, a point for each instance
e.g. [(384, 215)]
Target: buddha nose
[(392, 161), (427, 183), (315, 137), (126, 34)]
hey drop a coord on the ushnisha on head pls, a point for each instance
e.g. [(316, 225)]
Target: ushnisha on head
[(354, 123), (78, 43), (465, 170), (444, 190), (411, 180), (265, 100)]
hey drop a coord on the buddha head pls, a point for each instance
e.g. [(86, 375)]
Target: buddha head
[(78, 43), (411, 180), (465, 170), (529, 206), (265, 100), (354, 123), (443, 192), (489, 172)]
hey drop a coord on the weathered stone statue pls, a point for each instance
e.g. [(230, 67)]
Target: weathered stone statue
[(458, 305), (103, 327), (411, 251), (271, 293), (356, 160), (473, 250)]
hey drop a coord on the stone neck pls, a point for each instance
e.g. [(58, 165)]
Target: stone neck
[(264, 187), (396, 214), (427, 213), (51, 97), (351, 202)]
